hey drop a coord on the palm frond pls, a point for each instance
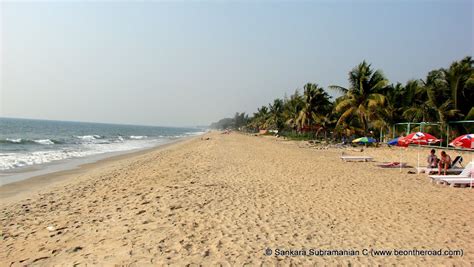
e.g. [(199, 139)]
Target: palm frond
[(339, 88)]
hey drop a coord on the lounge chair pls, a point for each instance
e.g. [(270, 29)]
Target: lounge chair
[(465, 177), (458, 181), (356, 158), (454, 168), (457, 161)]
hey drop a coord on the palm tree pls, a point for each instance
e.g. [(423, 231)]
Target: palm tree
[(240, 120), (460, 81), (275, 119), (368, 103), (414, 103), (291, 109), (325, 123), (439, 91), (259, 119), (316, 105), (364, 96), (392, 111)]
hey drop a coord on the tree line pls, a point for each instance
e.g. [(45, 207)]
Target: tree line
[(369, 105)]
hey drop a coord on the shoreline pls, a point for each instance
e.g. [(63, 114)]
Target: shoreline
[(21, 189)]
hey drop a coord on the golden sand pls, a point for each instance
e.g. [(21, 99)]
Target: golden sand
[(227, 199)]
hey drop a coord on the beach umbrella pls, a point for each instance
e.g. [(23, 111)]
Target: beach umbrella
[(465, 141), (393, 142), (399, 141), (420, 139), (364, 140)]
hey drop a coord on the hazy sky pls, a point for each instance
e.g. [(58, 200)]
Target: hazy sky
[(191, 63)]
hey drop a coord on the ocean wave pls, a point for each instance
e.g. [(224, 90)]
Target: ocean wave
[(17, 160), (15, 141), (89, 137), (44, 142), (21, 141), (24, 159), (137, 137)]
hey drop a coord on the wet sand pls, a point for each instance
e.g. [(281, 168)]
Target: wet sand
[(224, 201)]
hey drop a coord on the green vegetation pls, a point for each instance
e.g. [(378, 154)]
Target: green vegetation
[(370, 105)]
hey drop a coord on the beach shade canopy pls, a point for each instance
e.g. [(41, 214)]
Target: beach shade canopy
[(399, 141), (466, 141), (420, 138), (364, 140)]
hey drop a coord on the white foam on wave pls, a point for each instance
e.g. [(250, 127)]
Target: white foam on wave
[(18, 140), (44, 142), (88, 137), (16, 160), (138, 137), (87, 147)]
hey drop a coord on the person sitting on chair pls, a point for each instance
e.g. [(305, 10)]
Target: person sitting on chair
[(432, 159), (444, 163)]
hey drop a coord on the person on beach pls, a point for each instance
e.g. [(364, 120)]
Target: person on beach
[(432, 159), (444, 162)]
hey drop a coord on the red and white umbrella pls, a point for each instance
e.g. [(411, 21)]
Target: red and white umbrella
[(465, 141), (420, 138)]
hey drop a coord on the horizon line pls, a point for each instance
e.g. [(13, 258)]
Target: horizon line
[(109, 123)]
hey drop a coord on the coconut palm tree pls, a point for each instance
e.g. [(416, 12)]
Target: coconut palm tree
[(325, 123), (240, 120), (414, 104), (259, 119), (439, 91), (315, 106), (291, 109), (275, 118), (363, 97), (368, 103), (459, 78)]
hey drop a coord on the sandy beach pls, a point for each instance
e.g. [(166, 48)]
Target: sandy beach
[(227, 200)]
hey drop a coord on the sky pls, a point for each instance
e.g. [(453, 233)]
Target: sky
[(191, 63)]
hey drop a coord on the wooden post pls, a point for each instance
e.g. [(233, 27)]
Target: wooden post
[(447, 134)]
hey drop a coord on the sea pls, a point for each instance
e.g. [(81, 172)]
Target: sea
[(34, 147)]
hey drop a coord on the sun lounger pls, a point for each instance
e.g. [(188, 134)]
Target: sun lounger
[(465, 174), (458, 181), (454, 169), (356, 158)]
